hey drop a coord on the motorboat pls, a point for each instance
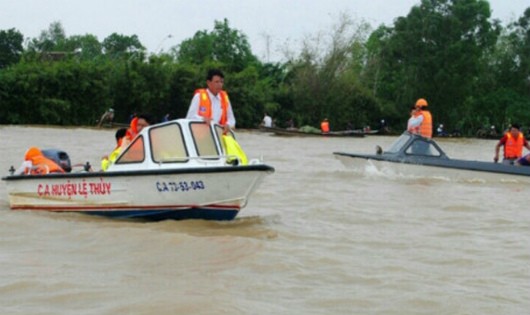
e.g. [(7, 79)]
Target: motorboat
[(419, 156), (181, 169)]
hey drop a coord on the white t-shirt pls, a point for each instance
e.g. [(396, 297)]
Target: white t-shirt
[(414, 122), (267, 121)]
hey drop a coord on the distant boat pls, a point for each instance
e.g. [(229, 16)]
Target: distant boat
[(419, 156), (113, 125), (300, 133)]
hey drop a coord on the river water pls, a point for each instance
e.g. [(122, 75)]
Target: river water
[(315, 238)]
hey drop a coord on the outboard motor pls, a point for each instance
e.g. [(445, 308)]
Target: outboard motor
[(59, 157)]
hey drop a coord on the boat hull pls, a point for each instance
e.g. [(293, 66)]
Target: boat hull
[(457, 170), (216, 193)]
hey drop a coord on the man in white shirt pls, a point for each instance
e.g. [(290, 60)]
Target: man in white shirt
[(212, 104), (267, 121)]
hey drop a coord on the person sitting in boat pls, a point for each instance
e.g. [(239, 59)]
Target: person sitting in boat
[(267, 121), (440, 132), (324, 126), (35, 163), (524, 161), (513, 142), (107, 117), (137, 124), (422, 119), (111, 158)]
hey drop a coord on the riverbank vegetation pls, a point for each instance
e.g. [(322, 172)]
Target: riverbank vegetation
[(473, 70)]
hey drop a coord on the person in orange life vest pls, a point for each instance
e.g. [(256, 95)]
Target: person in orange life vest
[(424, 117), (212, 104), (35, 163), (107, 160), (324, 126), (513, 142), (137, 124)]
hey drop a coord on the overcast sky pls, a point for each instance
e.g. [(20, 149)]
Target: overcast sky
[(161, 24)]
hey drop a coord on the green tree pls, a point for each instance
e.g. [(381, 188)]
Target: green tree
[(52, 39), (520, 38), (435, 52), (223, 45), (85, 46), (10, 47), (325, 80), (116, 45), (196, 50)]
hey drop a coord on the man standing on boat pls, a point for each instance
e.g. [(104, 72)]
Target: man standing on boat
[(212, 104), (513, 142)]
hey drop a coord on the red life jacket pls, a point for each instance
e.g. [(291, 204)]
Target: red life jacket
[(205, 105)]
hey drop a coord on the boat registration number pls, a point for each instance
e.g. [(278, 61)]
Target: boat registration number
[(180, 186)]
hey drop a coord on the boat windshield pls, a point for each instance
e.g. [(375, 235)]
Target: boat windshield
[(413, 145), (423, 147), (167, 144), (398, 144), (135, 152), (204, 139)]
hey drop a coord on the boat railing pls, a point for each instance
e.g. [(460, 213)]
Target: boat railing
[(205, 159)]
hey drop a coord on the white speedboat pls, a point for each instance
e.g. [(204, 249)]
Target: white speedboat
[(174, 170)]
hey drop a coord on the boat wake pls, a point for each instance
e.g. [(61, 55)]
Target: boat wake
[(391, 172), (251, 226)]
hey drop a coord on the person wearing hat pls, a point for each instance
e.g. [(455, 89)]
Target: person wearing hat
[(422, 120), (426, 121)]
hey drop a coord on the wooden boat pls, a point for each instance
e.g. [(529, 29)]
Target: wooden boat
[(415, 155), (299, 133), (174, 170), (113, 125)]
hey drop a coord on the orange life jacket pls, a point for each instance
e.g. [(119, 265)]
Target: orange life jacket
[(205, 105), (132, 131), (513, 148), (426, 124), (41, 164), (324, 126)]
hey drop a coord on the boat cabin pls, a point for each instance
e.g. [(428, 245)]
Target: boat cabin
[(180, 143), (408, 145)]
